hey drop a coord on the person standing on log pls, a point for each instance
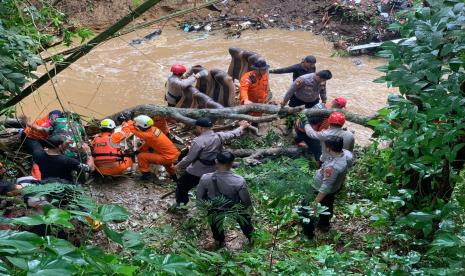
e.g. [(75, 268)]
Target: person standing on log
[(232, 187), (201, 156), (307, 90), (254, 84), (164, 151), (307, 66)]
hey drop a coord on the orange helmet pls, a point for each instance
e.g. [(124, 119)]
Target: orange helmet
[(178, 69), (337, 118)]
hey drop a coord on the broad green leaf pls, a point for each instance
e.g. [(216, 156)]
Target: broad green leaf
[(111, 212), (446, 239), (59, 246), (58, 217), (32, 220), (19, 262), (23, 242), (127, 270)]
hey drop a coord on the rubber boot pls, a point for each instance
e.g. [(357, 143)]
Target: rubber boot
[(146, 176)]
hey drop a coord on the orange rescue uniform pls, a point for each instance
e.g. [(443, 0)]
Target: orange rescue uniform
[(35, 134), (108, 156), (253, 88), (165, 152)]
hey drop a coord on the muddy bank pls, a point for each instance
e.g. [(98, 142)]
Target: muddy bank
[(345, 22)]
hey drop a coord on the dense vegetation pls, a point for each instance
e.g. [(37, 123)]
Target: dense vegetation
[(402, 210), (27, 30)]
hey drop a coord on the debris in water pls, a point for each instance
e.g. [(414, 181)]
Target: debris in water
[(148, 37), (187, 27), (246, 25), (357, 61)]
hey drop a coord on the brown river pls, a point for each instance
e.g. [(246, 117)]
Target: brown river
[(116, 75)]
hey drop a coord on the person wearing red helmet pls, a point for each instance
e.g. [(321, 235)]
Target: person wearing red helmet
[(177, 84), (336, 121), (339, 102)]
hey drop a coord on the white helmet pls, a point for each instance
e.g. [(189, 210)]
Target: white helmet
[(107, 123), (143, 121)]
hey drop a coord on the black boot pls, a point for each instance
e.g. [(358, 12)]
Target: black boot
[(146, 176)]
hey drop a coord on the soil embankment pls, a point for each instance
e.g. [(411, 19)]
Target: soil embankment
[(341, 21)]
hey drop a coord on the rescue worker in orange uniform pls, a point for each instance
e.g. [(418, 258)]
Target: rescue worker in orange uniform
[(107, 151), (38, 131), (164, 151), (254, 84)]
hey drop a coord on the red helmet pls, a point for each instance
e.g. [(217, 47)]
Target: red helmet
[(178, 69), (337, 118), (342, 102)]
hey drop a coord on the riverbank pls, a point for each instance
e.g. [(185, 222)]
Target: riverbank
[(343, 22)]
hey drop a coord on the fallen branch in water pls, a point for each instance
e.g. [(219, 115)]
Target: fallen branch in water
[(270, 113)]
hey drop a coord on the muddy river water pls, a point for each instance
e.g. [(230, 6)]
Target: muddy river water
[(116, 75)]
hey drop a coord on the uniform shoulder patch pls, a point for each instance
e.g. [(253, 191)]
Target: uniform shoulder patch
[(252, 78), (299, 82), (328, 171), (157, 132)]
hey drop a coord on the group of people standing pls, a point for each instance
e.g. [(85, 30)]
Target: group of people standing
[(207, 164)]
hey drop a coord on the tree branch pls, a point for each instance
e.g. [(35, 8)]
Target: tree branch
[(188, 115)]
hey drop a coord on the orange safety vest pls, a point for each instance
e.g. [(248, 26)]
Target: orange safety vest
[(104, 150), (38, 135), (254, 89)]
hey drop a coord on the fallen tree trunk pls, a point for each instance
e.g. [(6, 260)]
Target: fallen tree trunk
[(271, 113), (253, 156)]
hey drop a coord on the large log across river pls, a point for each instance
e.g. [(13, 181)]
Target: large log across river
[(271, 113)]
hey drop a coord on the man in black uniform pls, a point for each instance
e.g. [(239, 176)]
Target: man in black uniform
[(307, 66)]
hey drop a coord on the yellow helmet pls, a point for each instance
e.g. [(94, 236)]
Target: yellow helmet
[(107, 123)]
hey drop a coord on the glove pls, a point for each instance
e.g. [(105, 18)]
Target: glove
[(202, 73), (302, 118)]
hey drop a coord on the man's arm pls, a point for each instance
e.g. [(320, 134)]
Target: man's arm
[(285, 70), (187, 82), (90, 159), (295, 85), (244, 89), (191, 156), (314, 134), (244, 196), (228, 135), (27, 122), (122, 135), (202, 191), (323, 92)]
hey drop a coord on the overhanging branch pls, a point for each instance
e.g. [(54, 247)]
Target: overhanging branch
[(86, 48)]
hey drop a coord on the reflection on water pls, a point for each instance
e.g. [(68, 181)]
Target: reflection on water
[(116, 75)]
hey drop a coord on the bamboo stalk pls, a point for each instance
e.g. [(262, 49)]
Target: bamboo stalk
[(86, 48)]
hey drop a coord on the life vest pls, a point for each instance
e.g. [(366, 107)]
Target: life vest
[(35, 134), (104, 150)]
